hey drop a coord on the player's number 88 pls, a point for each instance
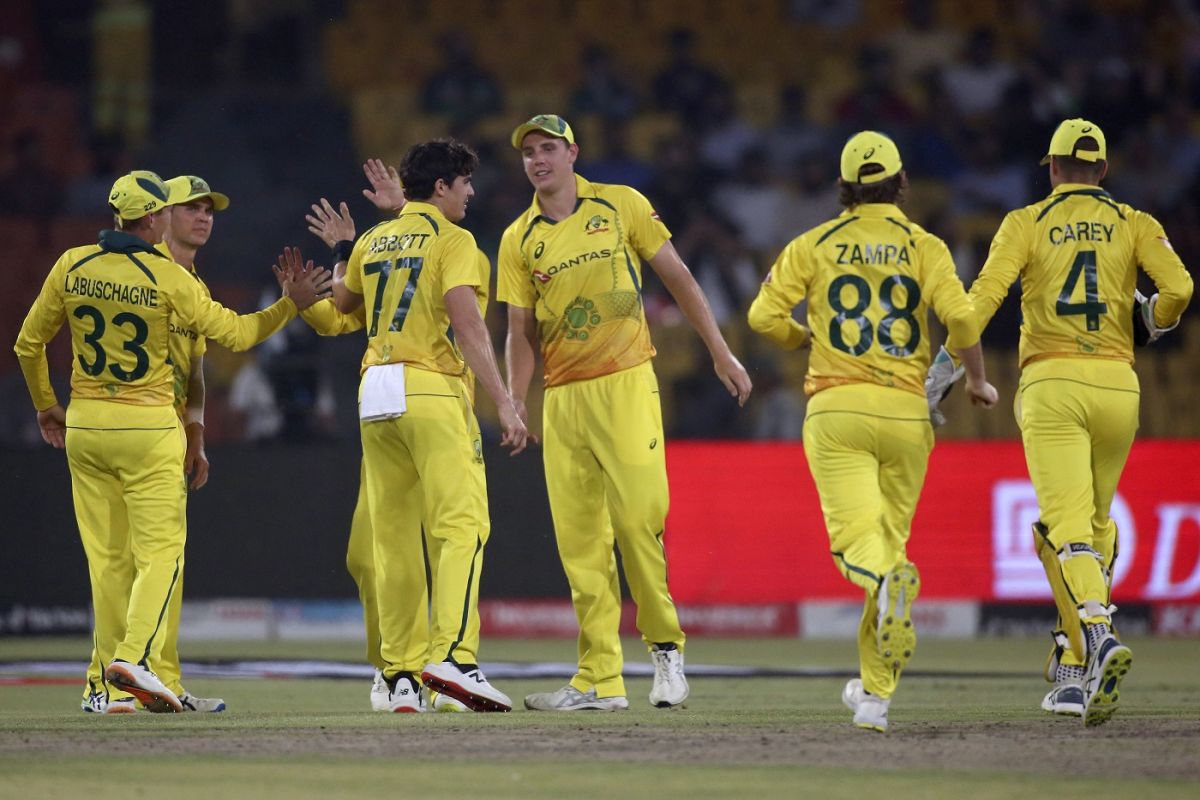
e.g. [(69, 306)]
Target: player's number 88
[(854, 314)]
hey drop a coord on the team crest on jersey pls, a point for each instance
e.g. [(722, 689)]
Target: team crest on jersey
[(597, 224)]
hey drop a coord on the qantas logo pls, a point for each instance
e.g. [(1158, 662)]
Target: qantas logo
[(541, 276)]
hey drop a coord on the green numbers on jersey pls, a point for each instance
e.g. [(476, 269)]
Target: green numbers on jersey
[(134, 344), (1091, 307), (854, 314), (384, 270)]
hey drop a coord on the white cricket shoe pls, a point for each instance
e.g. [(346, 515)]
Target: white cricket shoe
[(210, 705), (870, 712), (404, 695), (1108, 664), (144, 685), (98, 703), (466, 684), (379, 693), (445, 704), (670, 685), (569, 698), (1066, 699)]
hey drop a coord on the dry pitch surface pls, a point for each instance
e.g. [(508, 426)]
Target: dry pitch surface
[(966, 720)]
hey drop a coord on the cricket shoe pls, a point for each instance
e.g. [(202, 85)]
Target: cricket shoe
[(144, 685), (1109, 663), (404, 694), (1065, 699), (569, 698), (98, 703), (895, 635), (445, 704), (466, 684), (870, 712), (379, 693), (670, 685), (190, 702)]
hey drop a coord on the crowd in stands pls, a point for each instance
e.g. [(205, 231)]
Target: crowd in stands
[(728, 116)]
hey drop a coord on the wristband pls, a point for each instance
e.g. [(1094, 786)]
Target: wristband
[(342, 250)]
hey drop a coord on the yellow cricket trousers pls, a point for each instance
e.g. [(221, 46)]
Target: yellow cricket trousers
[(1078, 417), (430, 458), (868, 448), (128, 487), (606, 477)]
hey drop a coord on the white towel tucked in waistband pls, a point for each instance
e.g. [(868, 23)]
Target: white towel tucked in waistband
[(382, 393)]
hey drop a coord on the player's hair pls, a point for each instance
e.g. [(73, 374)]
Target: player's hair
[(891, 190), (426, 163), (1076, 170), (131, 225)]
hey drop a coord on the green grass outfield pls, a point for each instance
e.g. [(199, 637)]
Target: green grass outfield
[(965, 722)]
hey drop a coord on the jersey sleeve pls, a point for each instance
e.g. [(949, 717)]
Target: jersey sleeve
[(647, 233), (353, 279), (324, 318), (784, 287), (459, 260), (1007, 256), (43, 321), (1160, 261), (236, 331), (946, 295), (513, 282)]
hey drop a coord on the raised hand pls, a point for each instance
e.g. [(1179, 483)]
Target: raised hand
[(388, 194), (329, 224), (300, 280)]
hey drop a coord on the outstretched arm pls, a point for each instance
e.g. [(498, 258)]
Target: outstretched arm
[(687, 293)]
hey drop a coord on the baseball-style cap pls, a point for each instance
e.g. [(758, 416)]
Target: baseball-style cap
[(187, 188), (870, 147), (137, 194), (1065, 141), (549, 124)]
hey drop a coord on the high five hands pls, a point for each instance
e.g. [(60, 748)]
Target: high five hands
[(300, 280)]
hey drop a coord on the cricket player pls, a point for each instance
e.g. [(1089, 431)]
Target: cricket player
[(1076, 254), (418, 279), (191, 214), (570, 270), (870, 276), (124, 440), (331, 226)]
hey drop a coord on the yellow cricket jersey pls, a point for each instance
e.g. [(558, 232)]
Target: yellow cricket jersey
[(871, 276), (119, 297), (403, 268), (1077, 253), (583, 278), (185, 343)]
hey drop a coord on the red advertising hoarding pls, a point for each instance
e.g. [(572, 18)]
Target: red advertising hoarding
[(746, 527)]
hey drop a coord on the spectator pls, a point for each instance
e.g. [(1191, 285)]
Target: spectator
[(462, 90), (618, 165), (30, 188), (684, 86), (794, 134), (721, 264), (726, 136), (603, 91), (758, 203), (875, 102), (977, 83)]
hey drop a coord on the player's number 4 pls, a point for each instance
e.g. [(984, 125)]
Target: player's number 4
[(1084, 265)]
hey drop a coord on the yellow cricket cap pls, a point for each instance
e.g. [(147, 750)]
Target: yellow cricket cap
[(1065, 141), (870, 147), (549, 124), (187, 188), (137, 194)]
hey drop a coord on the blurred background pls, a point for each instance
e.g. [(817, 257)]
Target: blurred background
[(729, 116)]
